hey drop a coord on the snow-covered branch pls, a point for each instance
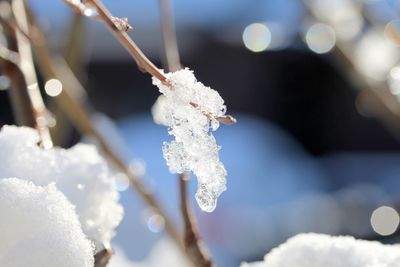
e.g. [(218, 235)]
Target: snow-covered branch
[(144, 64)]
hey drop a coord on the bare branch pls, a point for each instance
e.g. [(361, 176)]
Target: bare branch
[(27, 67)]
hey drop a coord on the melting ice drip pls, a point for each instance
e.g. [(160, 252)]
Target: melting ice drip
[(194, 148)]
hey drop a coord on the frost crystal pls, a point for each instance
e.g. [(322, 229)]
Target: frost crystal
[(190, 110), (318, 250), (39, 228), (79, 172)]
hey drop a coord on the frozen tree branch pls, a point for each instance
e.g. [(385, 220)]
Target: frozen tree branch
[(120, 34)]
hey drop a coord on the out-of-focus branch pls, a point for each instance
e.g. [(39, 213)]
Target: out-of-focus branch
[(9, 60), (75, 43), (385, 105), (119, 27), (102, 258), (194, 245), (71, 102), (27, 67), (20, 102), (192, 241), (171, 50)]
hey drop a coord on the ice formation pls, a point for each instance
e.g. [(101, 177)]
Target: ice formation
[(39, 228), (190, 110), (318, 250), (79, 173)]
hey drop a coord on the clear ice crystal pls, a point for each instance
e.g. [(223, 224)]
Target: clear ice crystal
[(206, 199), (190, 110)]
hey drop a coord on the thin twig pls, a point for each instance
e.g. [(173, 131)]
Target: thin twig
[(192, 241), (142, 61), (27, 67)]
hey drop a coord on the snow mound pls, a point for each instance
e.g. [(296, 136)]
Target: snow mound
[(164, 253), (319, 250), (39, 228), (190, 110), (80, 173)]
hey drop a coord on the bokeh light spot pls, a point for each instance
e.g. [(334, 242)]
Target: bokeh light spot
[(256, 37), (4, 83), (392, 31), (156, 223), (394, 80), (121, 182), (53, 87), (385, 220), (320, 38)]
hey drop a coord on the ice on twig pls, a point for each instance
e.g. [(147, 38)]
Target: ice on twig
[(79, 172), (39, 228), (318, 250), (190, 110)]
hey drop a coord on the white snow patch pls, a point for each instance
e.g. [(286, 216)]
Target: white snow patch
[(80, 173), (319, 250), (190, 110), (164, 253), (39, 228)]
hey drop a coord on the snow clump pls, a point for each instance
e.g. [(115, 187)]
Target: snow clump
[(80, 173), (39, 228), (319, 250), (190, 110)]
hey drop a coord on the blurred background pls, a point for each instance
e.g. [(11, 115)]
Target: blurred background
[(315, 88)]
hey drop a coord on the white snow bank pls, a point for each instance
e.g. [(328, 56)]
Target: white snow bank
[(39, 228), (79, 172), (318, 250), (190, 110)]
